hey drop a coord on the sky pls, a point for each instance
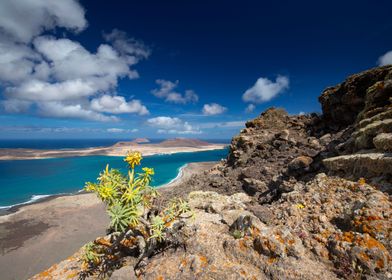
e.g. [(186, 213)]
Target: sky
[(176, 68)]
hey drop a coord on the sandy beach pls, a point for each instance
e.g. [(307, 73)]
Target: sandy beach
[(38, 235), (119, 149)]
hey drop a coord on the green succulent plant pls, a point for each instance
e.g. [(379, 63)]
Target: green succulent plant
[(90, 255), (130, 200), (121, 217)]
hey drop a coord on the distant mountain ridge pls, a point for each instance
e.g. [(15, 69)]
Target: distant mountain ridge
[(183, 142)]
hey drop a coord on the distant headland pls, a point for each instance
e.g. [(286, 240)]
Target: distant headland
[(170, 146)]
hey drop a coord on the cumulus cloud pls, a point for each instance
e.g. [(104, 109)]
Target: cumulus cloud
[(130, 48), (38, 129), (121, 130), (169, 125), (118, 105), (23, 20), (167, 91), (213, 109), (231, 124), (265, 89), (41, 70), (250, 108), (76, 111), (385, 59)]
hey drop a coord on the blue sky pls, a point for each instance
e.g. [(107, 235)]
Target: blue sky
[(160, 69)]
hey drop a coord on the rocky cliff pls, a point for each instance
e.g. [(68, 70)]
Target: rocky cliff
[(299, 197)]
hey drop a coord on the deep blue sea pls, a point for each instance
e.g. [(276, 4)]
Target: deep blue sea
[(28, 180)]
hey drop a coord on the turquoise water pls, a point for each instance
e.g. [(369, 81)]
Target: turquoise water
[(28, 180)]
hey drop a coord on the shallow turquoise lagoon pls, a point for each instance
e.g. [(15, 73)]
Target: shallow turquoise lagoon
[(28, 180)]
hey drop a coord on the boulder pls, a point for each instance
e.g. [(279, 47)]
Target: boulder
[(300, 163)]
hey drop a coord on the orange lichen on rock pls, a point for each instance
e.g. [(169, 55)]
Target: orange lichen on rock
[(103, 241), (203, 261), (272, 260)]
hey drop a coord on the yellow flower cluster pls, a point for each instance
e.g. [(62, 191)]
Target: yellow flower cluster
[(148, 171), (133, 158), (300, 206)]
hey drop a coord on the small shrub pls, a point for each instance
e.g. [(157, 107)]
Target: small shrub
[(137, 227)]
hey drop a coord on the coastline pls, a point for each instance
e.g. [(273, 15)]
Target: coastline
[(34, 236), (177, 179), (182, 174)]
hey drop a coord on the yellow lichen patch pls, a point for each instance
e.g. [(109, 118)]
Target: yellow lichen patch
[(361, 181), (160, 277), (72, 275), (271, 260), (44, 275)]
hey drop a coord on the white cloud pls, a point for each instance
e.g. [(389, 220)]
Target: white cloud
[(38, 129), (16, 61), (231, 124), (265, 89), (167, 91), (250, 108), (15, 105), (39, 70), (127, 47), (169, 125), (118, 105), (385, 59), (22, 20), (165, 122), (213, 109), (121, 130), (36, 90), (77, 111)]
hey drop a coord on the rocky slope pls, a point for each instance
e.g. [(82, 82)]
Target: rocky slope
[(299, 197)]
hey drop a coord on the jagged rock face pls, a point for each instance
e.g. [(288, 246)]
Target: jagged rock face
[(367, 152), (341, 104), (271, 149)]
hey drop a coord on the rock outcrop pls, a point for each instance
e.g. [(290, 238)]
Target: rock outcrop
[(368, 151), (299, 197)]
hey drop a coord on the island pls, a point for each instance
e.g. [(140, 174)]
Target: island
[(170, 146)]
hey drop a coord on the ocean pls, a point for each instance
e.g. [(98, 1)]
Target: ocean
[(23, 181)]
